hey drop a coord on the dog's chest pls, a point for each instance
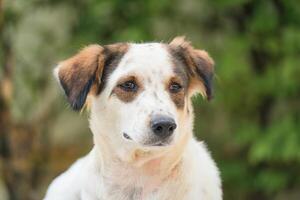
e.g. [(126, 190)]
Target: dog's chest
[(117, 192), (170, 191), (135, 193)]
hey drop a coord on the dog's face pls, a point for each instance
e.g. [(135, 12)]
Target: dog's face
[(139, 93)]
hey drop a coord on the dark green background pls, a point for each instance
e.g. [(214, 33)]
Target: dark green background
[(252, 126)]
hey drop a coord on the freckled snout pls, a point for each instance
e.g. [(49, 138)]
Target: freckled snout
[(162, 126)]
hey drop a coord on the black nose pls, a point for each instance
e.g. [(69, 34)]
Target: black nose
[(163, 126)]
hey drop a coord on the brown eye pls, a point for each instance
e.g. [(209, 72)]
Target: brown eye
[(175, 87), (128, 86)]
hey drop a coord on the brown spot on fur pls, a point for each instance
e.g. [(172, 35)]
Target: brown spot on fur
[(178, 97), (182, 77), (197, 63), (182, 74), (113, 54), (127, 96), (86, 72)]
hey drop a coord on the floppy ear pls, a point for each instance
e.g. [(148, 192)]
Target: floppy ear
[(200, 66), (78, 74)]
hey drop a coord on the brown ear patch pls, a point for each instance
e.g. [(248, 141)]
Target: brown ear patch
[(77, 74), (86, 72), (198, 63)]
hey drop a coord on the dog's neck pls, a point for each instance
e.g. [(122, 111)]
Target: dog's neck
[(145, 169)]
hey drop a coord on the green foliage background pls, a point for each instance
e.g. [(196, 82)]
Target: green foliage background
[(252, 126)]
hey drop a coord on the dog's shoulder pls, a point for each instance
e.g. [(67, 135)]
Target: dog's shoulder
[(69, 184), (202, 171)]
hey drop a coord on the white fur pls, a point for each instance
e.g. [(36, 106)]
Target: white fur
[(120, 169)]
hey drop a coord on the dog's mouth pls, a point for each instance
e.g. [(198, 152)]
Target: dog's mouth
[(158, 142), (152, 142)]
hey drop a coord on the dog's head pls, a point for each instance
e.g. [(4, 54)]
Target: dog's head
[(139, 94)]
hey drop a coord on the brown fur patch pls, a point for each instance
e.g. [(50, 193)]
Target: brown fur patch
[(197, 63), (178, 97), (86, 72), (113, 54), (77, 74), (127, 96)]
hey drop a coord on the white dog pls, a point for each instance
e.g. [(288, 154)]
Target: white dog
[(142, 122)]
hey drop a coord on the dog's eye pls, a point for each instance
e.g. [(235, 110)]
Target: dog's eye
[(128, 86), (175, 87)]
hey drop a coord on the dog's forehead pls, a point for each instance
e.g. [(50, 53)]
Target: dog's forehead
[(147, 59)]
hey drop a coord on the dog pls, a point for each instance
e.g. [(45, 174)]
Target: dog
[(141, 117)]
